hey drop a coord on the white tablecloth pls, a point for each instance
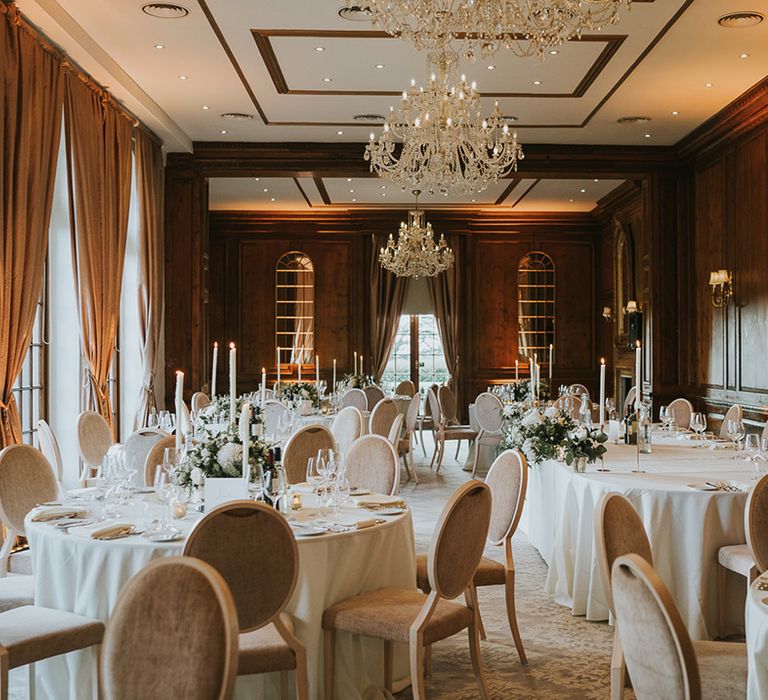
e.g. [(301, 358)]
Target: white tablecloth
[(686, 527), (85, 576), (757, 640)]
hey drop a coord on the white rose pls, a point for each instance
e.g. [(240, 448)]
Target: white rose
[(197, 476), (230, 454), (552, 412), (532, 418)]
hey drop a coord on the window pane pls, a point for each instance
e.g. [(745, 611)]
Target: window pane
[(432, 367), (399, 364)]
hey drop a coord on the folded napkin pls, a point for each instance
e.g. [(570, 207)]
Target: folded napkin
[(377, 499), (375, 505), (113, 532), (362, 524), (48, 515)]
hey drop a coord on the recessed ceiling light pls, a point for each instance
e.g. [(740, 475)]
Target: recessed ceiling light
[(491, 67), (206, 107), (383, 194), (223, 131), (340, 133), (675, 113), (164, 10), (351, 191), (474, 200), (266, 189), (319, 48), (349, 179), (709, 85), (571, 200), (383, 187), (326, 80), (596, 180), (743, 55), (537, 82), (553, 52), (379, 66), (583, 191), (738, 20), (647, 136), (257, 179), (272, 200), (159, 46), (353, 199), (183, 77)]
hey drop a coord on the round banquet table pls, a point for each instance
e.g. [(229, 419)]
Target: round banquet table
[(757, 639), (76, 573), (686, 526)]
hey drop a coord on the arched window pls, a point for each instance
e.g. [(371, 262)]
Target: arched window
[(536, 305), (295, 308)]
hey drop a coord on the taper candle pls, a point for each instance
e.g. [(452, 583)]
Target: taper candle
[(638, 375), (551, 361), (532, 381), (334, 374), (263, 386), (232, 382), (602, 392), (354, 369), (517, 370), (179, 410), (245, 439), (317, 370), (278, 367), (214, 364), (298, 369)]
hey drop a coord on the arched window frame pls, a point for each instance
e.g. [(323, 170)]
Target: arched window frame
[(295, 308), (535, 336)]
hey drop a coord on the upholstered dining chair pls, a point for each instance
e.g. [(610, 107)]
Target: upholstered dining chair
[(448, 427), (681, 409), (199, 401), (405, 444), (405, 388), (180, 610), (94, 438), (488, 415), (733, 413), (301, 446), (382, 416), (355, 397), (425, 418), (629, 401), (373, 395), (155, 457), (619, 530), (49, 446), (578, 390), (418, 619), (347, 427), (396, 430), (748, 560), (136, 449), (237, 539), (661, 659), (26, 480), (508, 481), (371, 463), (271, 414)]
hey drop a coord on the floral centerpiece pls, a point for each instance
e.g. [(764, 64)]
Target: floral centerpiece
[(217, 412), (358, 381), (539, 435), (300, 391), (585, 445), (521, 390)]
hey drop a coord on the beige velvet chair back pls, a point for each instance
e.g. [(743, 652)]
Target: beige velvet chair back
[(373, 394), (137, 448), (629, 400), (412, 414), (94, 438), (155, 457), (396, 429), (756, 523), (184, 423), (49, 446), (618, 531), (382, 416), (459, 539), (172, 634), (26, 480), (579, 389), (347, 427), (405, 388), (433, 405), (508, 481), (681, 409), (303, 445), (356, 398), (371, 464), (447, 401), (657, 649), (733, 413), (200, 401), (252, 546), (271, 414), (488, 408)]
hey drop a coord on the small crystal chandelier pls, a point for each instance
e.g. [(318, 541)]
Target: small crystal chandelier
[(482, 27), (438, 140), (416, 253)]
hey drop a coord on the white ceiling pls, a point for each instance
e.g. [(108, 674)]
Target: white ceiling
[(215, 48)]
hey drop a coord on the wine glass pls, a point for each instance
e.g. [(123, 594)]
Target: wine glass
[(698, 424), (752, 453), (153, 420), (311, 471), (166, 421), (736, 431), (610, 407), (664, 416)]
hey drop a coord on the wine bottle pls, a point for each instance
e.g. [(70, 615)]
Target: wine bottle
[(269, 472)]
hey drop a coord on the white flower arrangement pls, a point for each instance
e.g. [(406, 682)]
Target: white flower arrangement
[(303, 391)]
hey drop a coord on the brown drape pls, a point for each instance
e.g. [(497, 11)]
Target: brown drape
[(443, 290), (30, 128), (99, 140), (149, 180), (387, 298)]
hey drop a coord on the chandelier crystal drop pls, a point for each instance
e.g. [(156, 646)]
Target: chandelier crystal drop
[(482, 27), (437, 140), (416, 254)]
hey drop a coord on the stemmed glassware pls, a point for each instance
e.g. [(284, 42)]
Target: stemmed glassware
[(664, 414), (610, 407), (752, 453), (736, 432), (698, 424)]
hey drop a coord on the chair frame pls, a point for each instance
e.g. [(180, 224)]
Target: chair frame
[(360, 421), (358, 392), (444, 424), (405, 445), (483, 431), (88, 470), (395, 461), (380, 405), (311, 428)]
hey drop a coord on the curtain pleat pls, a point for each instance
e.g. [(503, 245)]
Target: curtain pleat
[(150, 183), (387, 299), (30, 128), (99, 142)]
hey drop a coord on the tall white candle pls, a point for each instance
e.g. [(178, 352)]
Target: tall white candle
[(538, 380), (638, 375), (298, 368), (278, 368), (214, 364), (245, 438), (551, 362), (517, 370), (179, 410), (263, 385), (354, 370), (532, 381), (362, 368), (602, 392), (334, 374), (232, 382), (317, 370)]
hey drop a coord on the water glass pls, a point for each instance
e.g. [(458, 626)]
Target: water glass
[(698, 424), (736, 431), (664, 416), (153, 420)]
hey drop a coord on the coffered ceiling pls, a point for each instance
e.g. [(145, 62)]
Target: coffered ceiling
[(302, 73)]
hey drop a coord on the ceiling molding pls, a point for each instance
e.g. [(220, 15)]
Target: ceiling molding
[(621, 196), (507, 191), (524, 194), (302, 192)]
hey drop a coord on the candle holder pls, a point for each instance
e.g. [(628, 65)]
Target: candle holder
[(637, 470)]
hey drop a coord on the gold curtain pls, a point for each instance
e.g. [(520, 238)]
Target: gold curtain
[(387, 299), (99, 142), (30, 128), (149, 180)]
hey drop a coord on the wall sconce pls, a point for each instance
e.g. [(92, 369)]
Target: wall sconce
[(608, 314), (721, 282), (632, 307)]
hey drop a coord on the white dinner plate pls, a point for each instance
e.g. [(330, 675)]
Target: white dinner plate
[(389, 511), (703, 487), (308, 531), (154, 536)]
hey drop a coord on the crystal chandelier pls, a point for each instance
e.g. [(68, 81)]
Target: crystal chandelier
[(438, 141), (482, 27), (416, 254)]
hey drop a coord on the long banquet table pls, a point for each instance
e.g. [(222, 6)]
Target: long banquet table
[(686, 526), (85, 576)]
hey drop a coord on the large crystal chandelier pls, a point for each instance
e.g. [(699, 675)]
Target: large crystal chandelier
[(416, 254), (438, 140), (482, 27)]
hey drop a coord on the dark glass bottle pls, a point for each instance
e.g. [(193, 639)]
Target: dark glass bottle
[(269, 472)]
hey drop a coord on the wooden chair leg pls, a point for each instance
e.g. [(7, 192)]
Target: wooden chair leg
[(329, 643), (722, 574), (440, 455), (428, 661), (416, 652), (421, 440), (476, 606), (458, 448), (283, 685), (512, 616), (4, 670), (388, 666), (618, 668), (477, 662), (406, 467), (302, 677)]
